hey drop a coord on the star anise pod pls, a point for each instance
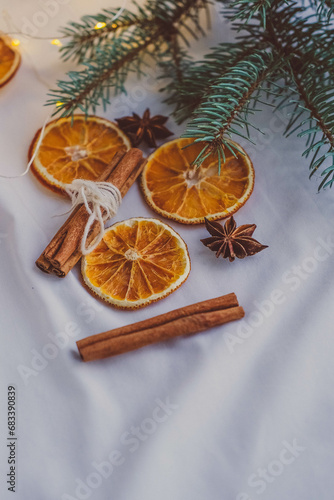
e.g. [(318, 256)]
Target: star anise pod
[(231, 241), (148, 128)]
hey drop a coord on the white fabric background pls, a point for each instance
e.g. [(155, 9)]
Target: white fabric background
[(242, 393)]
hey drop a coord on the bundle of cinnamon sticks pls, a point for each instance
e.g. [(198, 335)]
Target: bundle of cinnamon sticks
[(185, 321), (63, 252)]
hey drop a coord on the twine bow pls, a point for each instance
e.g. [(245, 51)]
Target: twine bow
[(103, 196)]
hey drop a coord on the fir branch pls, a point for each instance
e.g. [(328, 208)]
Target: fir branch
[(91, 87), (227, 106), (245, 10), (113, 61), (312, 73), (188, 94), (85, 39), (318, 102)]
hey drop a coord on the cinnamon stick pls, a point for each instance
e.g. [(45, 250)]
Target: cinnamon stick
[(63, 252), (188, 320)]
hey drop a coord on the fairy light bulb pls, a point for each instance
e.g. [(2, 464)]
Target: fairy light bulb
[(15, 42), (57, 42), (98, 26)]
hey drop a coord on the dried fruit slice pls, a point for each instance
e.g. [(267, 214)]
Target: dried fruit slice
[(176, 189), (10, 60), (78, 150), (139, 261)]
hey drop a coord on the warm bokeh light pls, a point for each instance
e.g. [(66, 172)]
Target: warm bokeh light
[(98, 26)]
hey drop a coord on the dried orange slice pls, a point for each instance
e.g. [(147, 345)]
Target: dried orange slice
[(178, 190), (138, 261), (78, 150), (10, 59)]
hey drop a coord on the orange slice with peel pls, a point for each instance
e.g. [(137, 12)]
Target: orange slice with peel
[(78, 150), (10, 59), (179, 190), (138, 261)]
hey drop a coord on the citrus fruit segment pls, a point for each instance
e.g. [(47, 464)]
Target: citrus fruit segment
[(10, 60), (138, 261), (178, 190), (78, 150)]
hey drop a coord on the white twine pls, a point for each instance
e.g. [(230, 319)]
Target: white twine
[(121, 10), (38, 145), (103, 196)]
